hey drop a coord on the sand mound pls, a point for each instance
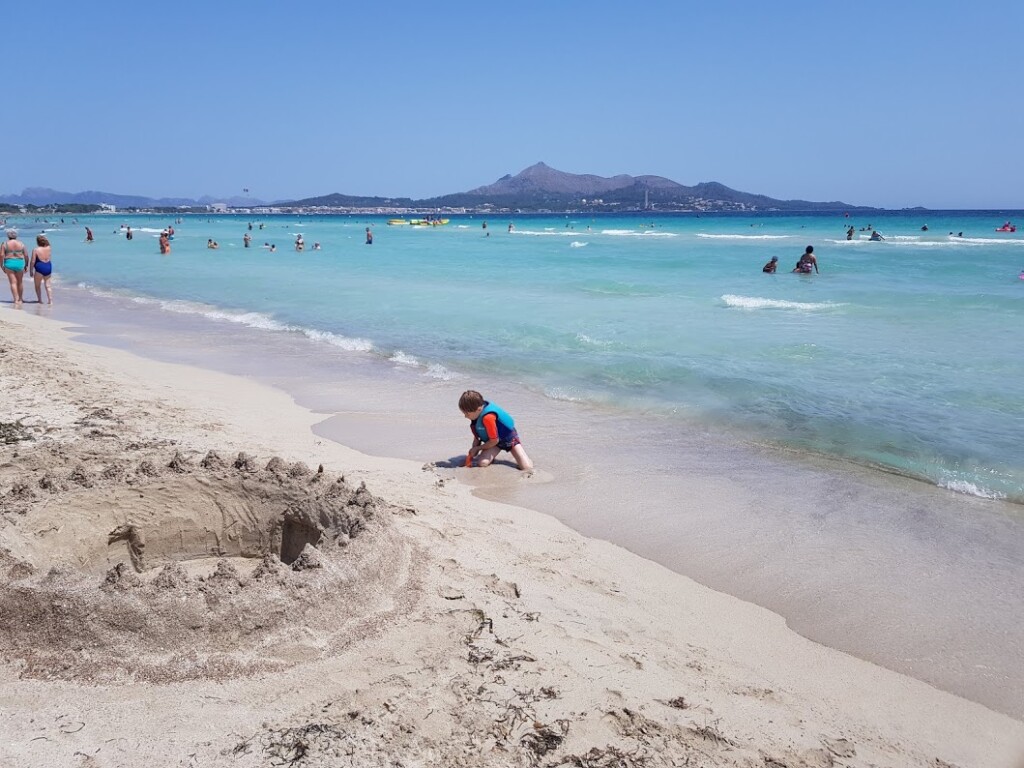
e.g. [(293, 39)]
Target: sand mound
[(132, 563)]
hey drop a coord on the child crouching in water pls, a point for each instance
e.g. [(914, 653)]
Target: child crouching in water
[(493, 431)]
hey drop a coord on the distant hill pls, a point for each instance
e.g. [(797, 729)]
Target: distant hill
[(543, 186), (539, 187), (337, 200), (46, 196)]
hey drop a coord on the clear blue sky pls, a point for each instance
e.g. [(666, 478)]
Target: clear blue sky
[(891, 104)]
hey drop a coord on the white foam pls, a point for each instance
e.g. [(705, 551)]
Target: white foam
[(401, 358), (566, 394), (584, 339), (577, 244), (634, 233), (970, 489), (438, 371), (744, 237), (257, 320), (546, 233), (986, 240), (756, 302)]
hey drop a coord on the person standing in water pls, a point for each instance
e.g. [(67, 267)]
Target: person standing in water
[(369, 236), (808, 262)]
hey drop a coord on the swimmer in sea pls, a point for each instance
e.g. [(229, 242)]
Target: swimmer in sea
[(771, 266), (808, 262)]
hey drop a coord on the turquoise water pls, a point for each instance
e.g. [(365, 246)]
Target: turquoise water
[(904, 354)]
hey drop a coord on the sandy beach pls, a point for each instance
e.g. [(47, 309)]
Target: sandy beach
[(190, 575)]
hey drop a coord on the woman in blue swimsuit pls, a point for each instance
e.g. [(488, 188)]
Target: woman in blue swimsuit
[(13, 260), (41, 268)]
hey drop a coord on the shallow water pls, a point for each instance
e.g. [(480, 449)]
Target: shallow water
[(905, 354)]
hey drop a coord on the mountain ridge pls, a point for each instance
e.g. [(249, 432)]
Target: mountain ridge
[(538, 187)]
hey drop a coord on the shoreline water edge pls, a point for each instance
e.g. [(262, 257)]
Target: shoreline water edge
[(423, 623)]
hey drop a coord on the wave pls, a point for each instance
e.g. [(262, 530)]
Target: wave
[(634, 233), (970, 489), (756, 302), (401, 358), (577, 244), (892, 243), (744, 237), (438, 371), (584, 339), (545, 233), (257, 320), (986, 240)]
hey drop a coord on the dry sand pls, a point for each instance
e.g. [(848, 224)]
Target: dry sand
[(190, 577)]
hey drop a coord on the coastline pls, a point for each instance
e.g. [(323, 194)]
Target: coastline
[(912, 577), (617, 653)]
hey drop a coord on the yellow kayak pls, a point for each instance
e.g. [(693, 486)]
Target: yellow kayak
[(396, 222)]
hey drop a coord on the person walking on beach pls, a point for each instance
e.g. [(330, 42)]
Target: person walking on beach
[(808, 262), (494, 431), (13, 260), (771, 266), (40, 268)]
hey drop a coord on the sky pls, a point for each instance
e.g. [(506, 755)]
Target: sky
[(888, 104)]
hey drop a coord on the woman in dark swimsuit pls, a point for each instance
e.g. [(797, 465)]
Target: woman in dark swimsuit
[(41, 268)]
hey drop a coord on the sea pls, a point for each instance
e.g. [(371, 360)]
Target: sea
[(843, 448)]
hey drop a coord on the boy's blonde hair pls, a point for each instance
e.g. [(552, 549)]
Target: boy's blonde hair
[(470, 401)]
